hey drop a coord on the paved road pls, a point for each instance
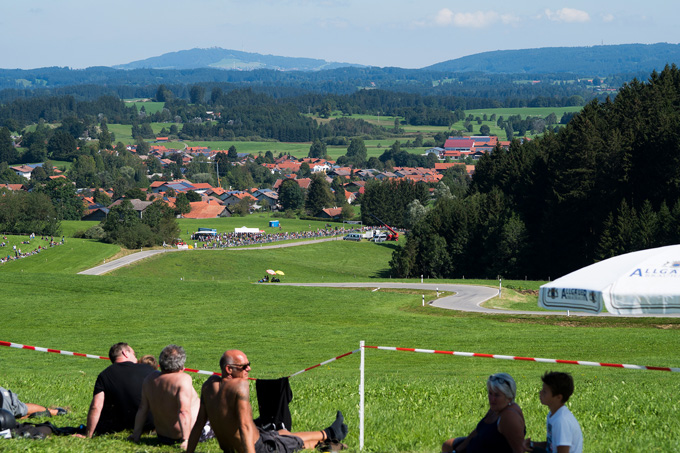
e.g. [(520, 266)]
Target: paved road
[(467, 298), (124, 261)]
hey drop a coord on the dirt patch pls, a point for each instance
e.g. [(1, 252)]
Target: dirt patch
[(667, 326)]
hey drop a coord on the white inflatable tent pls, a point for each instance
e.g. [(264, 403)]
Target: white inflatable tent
[(243, 230), (642, 282)]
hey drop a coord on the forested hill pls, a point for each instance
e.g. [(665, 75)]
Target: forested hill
[(594, 61), (606, 184), (216, 57)]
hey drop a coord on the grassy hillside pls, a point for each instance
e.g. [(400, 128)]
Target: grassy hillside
[(413, 401)]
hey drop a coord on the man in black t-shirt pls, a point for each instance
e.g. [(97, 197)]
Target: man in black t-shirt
[(117, 393)]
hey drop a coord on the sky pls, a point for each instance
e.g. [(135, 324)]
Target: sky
[(400, 33)]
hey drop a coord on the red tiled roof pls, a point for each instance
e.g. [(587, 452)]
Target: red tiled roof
[(332, 212), (13, 186), (204, 210), (22, 168), (202, 185)]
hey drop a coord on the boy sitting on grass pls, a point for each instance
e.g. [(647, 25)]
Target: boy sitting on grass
[(563, 430)]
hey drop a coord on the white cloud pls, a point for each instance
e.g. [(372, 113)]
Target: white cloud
[(478, 19), (567, 15), (510, 19), (444, 17), (607, 18)]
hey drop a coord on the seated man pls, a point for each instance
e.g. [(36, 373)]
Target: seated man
[(10, 401), (171, 398), (117, 393), (225, 402)]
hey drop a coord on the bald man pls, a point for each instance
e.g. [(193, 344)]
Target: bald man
[(225, 402)]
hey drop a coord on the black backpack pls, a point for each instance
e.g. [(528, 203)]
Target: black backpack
[(43, 430)]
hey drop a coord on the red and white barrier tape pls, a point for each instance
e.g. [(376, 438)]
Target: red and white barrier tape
[(529, 359), (78, 354), (326, 362), (56, 351), (209, 373), (384, 348)]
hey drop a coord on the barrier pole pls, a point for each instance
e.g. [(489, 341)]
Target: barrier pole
[(361, 396)]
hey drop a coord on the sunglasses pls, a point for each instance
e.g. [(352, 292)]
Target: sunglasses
[(242, 366), (499, 379)]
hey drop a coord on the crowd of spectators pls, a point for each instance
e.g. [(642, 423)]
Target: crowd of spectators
[(17, 253), (225, 240)]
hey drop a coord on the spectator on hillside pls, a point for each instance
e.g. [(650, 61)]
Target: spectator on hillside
[(502, 429), (117, 393), (149, 360), (171, 398), (225, 402), (563, 430), (10, 402)]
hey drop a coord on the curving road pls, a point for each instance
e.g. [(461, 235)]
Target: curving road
[(124, 261), (467, 298)]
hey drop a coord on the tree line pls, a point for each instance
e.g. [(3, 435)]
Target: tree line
[(91, 83), (607, 183)]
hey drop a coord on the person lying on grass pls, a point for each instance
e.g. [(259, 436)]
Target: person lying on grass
[(225, 402), (10, 401), (563, 430), (502, 429)]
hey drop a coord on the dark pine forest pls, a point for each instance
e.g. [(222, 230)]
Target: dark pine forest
[(607, 183)]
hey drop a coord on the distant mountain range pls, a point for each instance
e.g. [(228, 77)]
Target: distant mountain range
[(216, 57), (596, 60)]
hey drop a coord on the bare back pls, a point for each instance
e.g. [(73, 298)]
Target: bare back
[(171, 398), (227, 405)]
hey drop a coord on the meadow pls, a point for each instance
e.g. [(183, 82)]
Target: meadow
[(207, 301), (374, 147)]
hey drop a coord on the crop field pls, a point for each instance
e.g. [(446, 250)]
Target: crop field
[(541, 112), (149, 106), (123, 132), (207, 301), (374, 147)]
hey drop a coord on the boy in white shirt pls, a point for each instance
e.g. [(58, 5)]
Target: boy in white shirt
[(563, 430)]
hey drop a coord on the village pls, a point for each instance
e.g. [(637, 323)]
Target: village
[(208, 201)]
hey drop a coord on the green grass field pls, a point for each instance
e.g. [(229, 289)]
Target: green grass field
[(374, 147), (413, 401), (149, 106)]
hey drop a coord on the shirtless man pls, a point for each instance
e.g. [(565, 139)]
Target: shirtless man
[(225, 402), (171, 398)]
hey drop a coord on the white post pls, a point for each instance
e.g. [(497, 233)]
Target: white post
[(421, 278), (500, 286), (437, 292), (361, 397), (423, 300)]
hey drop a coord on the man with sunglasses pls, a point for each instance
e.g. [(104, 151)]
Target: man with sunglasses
[(225, 402)]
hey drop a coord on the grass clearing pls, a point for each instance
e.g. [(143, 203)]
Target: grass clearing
[(413, 401), (151, 107)]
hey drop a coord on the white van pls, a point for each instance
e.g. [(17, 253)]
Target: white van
[(352, 237)]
